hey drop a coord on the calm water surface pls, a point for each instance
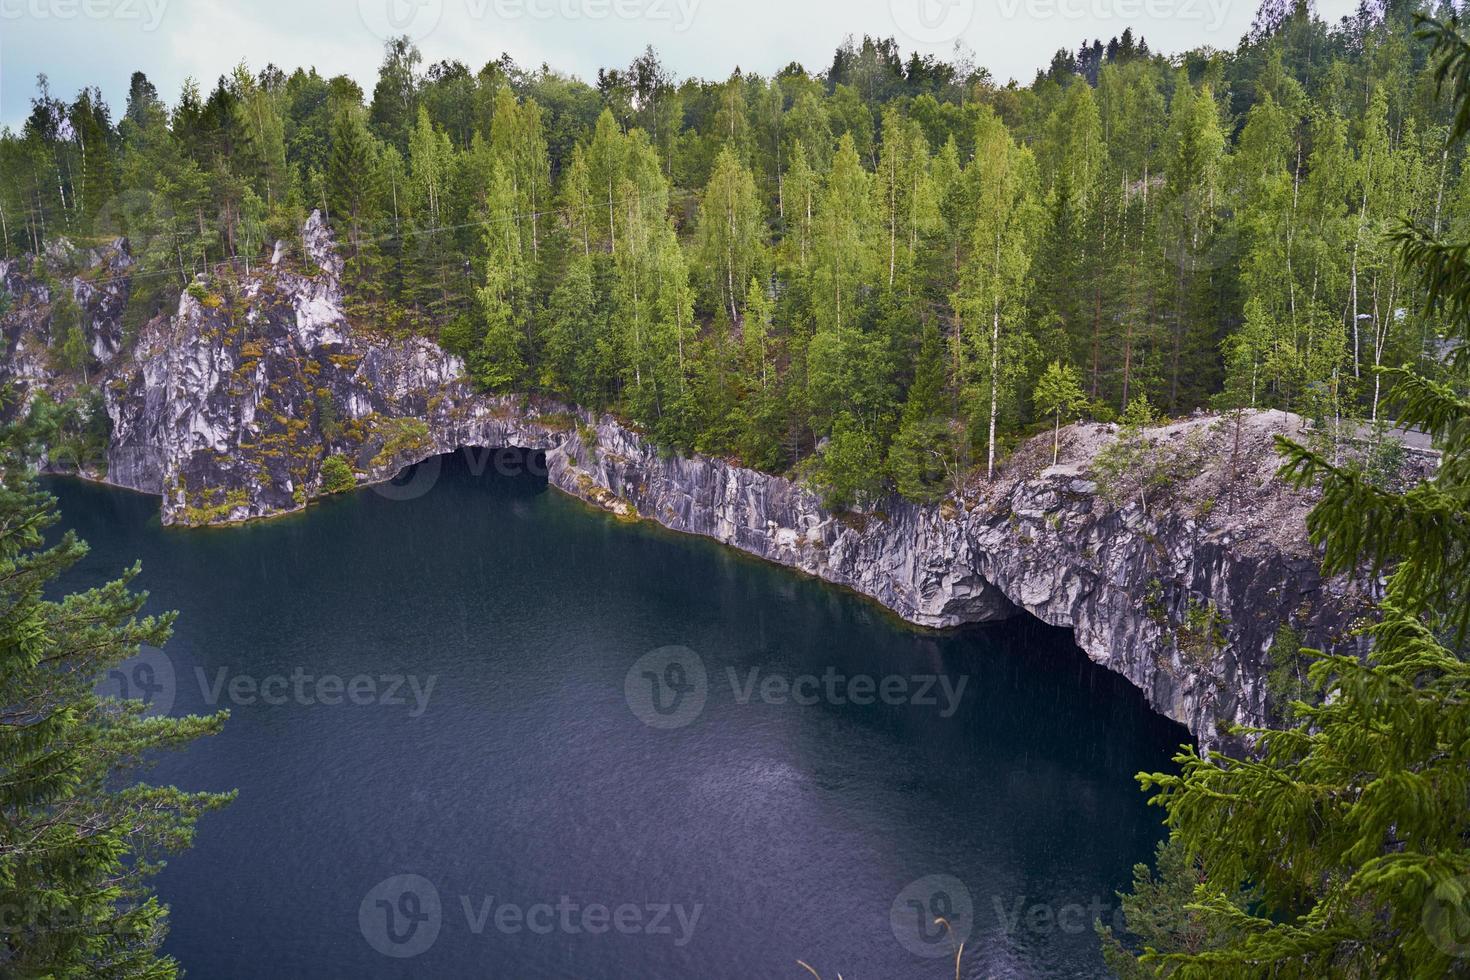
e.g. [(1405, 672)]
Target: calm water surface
[(453, 767)]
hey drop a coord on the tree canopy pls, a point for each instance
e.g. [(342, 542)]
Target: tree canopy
[(753, 266)]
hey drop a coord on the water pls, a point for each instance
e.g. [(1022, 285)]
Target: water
[(555, 834)]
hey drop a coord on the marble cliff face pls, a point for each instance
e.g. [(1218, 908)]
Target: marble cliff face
[(228, 407)]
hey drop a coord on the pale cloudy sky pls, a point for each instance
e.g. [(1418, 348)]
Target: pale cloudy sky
[(83, 42)]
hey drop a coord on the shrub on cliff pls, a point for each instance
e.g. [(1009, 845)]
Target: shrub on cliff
[(74, 433), (337, 475), (926, 459), (398, 436), (1132, 464), (848, 471)]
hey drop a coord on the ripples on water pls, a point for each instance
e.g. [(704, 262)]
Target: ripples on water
[(779, 830)]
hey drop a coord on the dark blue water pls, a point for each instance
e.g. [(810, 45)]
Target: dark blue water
[(454, 776)]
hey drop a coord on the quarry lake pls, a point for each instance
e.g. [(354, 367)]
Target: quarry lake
[(486, 731)]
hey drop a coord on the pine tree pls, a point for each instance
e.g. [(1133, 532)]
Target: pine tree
[(1072, 174), (348, 173), (575, 336), (395, 102), (77, 842), (850, 465), (925, 458)]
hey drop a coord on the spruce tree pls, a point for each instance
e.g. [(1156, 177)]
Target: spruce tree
[(76, 840), (1349, 828)]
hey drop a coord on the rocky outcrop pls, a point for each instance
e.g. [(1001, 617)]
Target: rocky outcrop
[(229, 407), (98, 283), (1184, 598)]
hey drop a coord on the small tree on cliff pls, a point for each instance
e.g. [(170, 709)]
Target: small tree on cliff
[(1351, 824), (1058, 391), (69, 338), (1131, 463), (848, 471), (75, 841)]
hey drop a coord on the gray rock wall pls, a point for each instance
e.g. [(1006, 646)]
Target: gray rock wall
[(228, 407)]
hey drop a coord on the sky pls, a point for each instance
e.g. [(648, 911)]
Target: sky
[(102, 42)]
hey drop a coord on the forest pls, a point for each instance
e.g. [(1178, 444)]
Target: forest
[(879, 276)]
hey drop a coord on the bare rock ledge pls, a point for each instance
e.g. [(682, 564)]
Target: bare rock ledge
[(228, 407)]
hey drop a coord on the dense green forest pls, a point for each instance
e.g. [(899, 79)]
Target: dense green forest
[(916, 265), (882, 260)]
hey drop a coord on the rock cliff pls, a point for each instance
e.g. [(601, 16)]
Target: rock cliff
[(228, 408)]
